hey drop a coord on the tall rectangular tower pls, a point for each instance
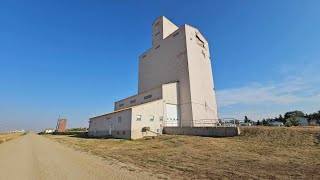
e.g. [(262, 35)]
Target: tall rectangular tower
[(181, 55)]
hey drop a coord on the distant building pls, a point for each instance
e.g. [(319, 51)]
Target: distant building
[(49, 130), (303, 121), (61, 125), (175, 87), (276, 123), (245, 124)]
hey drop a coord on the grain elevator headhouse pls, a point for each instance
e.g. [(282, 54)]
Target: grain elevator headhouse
[(175, 87)]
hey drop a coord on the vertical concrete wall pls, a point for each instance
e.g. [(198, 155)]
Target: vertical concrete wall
[(204, 131), (201, 79), (168, 63), (161, 28)]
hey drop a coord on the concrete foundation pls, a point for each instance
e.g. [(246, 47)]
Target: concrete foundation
[(203, 131)]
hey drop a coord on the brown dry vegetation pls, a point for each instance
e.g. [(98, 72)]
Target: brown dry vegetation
[(259, 153), (8, 137)]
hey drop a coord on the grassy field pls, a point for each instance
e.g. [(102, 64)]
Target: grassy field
[(259, 153), (8, 137)]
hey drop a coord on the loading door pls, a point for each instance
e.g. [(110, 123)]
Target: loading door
[(172, 115)]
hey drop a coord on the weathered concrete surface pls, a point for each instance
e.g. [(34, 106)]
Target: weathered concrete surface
[(36, 157), (204, 131)]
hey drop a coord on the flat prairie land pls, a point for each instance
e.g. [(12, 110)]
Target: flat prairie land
[(258, 153), (8, 137)]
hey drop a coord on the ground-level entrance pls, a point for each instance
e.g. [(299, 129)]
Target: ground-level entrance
[(172, 116)]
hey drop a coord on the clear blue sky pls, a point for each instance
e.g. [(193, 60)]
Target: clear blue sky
[(75, 58)]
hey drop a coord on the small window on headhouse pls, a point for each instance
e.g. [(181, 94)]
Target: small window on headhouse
[(161, 118), (151, 118), (120, 105), (139, 117), (199, 41), (147, 97)]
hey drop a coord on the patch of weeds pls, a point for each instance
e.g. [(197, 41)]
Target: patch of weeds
[(152, 160), (166, 138), (182, 169)]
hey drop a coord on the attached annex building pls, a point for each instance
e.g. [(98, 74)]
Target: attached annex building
[(175, 87)]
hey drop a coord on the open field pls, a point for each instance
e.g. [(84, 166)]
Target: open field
[(259, 153), (8, 137)]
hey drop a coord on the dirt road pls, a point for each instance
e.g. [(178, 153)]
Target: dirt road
[(36, 157)]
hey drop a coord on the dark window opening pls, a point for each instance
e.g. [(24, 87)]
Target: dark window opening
[(133, 101), (120, 105), (147, 97), (176, 34), (200, 42)]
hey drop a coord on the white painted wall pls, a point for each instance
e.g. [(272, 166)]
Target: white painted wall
[(154, 109), (99, 126)]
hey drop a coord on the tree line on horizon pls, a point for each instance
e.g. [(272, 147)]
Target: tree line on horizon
[(313, 117)]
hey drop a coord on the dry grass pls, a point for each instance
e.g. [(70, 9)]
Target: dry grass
[(259, 153), (8, 137)]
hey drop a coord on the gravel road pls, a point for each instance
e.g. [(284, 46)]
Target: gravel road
[(35, 157)]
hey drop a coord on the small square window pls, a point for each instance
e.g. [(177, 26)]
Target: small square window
[(123, 132), (120, 105), (139, 117), (161, 118), (151, 118)]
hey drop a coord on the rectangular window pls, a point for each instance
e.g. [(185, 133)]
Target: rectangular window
[(139, 117), (161, 118), (133, 101), (151, 118), (119, 119), (120, 105), (147, 97)]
